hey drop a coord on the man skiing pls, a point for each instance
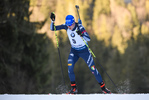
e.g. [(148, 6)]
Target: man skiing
[(76, 32)]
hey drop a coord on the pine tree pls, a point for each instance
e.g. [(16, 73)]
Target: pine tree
[(24, 53)]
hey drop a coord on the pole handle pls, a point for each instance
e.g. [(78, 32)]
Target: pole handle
[(77, 7)]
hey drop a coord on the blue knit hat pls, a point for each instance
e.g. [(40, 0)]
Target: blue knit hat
[(69, 20)]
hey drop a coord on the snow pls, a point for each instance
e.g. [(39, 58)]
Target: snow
[(74, 97)]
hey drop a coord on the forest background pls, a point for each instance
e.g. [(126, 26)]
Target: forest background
[(29, 61)]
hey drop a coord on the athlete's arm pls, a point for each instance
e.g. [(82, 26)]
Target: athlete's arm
[(58, 27), (84, 34)]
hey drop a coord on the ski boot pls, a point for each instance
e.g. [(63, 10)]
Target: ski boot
[(73, 89), (104, 89)]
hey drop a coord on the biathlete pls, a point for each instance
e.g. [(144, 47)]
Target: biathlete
[(76, 32)]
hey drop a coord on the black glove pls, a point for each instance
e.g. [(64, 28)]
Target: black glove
[(52, 16), (79, 32)]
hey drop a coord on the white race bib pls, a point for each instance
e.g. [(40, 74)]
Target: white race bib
[(75, 40)]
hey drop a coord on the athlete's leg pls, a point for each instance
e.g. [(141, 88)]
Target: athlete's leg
[(86, 55), (72, 59)]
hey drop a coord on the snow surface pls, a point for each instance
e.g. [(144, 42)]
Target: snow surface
[(75, 97)]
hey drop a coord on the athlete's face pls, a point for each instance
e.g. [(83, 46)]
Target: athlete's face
[(72, 26)]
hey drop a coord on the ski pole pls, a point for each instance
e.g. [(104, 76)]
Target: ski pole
[(98, 62), (77, 7), (59, 54)]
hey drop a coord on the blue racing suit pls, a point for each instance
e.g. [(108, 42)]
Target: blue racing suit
[(78, 49)]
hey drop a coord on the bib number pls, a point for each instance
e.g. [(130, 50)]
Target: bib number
[(74, 41)]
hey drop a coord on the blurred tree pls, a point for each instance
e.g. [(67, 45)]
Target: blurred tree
[(104, 8), (147, 9), (23, 53), (136, 64), (145, 28), (117, 39), (136, 24), (120, 2)]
